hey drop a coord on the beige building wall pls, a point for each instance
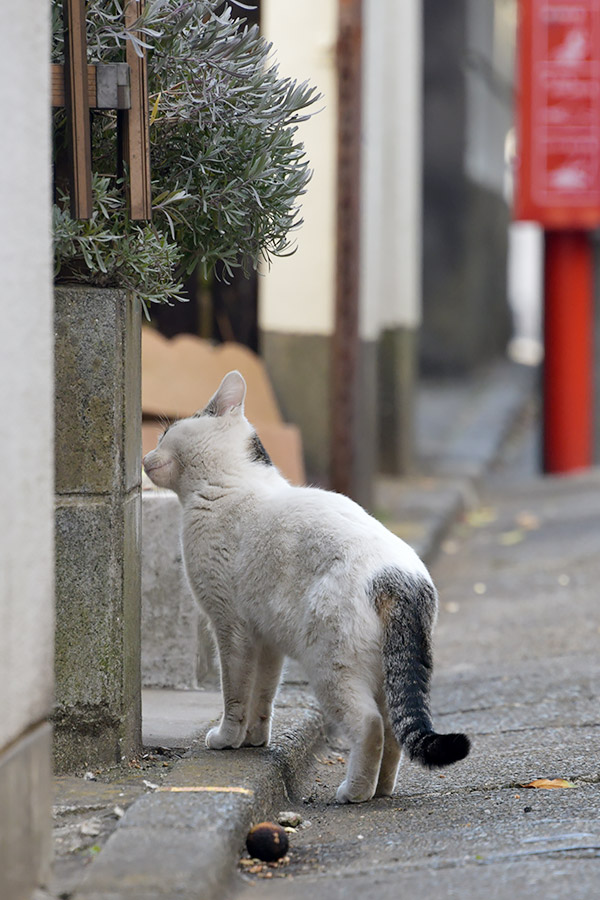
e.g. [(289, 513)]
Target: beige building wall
[(390, 306), (401, 170), (297, 293), (26, 449)]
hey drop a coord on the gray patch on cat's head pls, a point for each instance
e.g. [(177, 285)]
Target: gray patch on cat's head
[(258, 452)]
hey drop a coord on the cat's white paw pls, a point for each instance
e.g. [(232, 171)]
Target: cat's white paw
[(259, 734), (384, 790), (386, 786), (216, 740), (348, 794)]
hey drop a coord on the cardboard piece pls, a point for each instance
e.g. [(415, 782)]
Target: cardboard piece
[(179, 376)]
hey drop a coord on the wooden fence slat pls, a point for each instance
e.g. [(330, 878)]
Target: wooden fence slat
[(136, 135), (78, 110)]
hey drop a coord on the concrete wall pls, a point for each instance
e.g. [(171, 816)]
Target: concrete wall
[(297, 293), (26, 450), (467, 111)]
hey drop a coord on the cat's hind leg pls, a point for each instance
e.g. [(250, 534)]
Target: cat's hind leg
[(390, 759), (356, 710), (268, 674), (238, 655)]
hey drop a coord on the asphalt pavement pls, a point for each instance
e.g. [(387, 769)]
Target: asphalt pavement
[(518, 668), (516, 560)]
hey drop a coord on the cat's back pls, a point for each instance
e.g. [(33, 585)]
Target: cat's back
[(314, 522)]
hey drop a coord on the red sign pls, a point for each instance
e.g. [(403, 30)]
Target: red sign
[(558, 113)]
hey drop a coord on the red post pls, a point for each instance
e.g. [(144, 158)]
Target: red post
[(568, 365), (558, 185)]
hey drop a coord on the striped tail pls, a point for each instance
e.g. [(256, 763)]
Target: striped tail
[(407, 606)]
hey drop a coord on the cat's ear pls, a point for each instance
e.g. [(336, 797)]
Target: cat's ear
[(230, 396)]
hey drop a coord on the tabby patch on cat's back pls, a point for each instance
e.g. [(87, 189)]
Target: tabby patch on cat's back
[(294, 571)]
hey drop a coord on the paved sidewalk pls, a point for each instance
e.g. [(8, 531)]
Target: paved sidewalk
[(517, 667), (138, 838)]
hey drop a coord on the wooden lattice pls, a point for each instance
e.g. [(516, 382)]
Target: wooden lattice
[(80, 87)]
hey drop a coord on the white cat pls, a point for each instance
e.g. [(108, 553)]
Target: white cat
[(297, 571)]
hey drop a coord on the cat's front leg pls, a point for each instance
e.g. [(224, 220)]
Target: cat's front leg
[(238, 665), (268, 673)]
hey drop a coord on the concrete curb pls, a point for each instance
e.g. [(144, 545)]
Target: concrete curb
[(182, 841)]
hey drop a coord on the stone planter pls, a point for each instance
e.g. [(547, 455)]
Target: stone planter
[(97, 716), (177, 646)]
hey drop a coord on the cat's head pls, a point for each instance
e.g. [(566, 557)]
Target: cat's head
[(216, 442)]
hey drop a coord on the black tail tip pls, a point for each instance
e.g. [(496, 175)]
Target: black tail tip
[(437, 750)]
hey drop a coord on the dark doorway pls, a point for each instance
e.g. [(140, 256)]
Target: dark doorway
[(224, 308)]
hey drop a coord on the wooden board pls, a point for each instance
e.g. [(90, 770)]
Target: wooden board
[(179, 376), (136, 136)]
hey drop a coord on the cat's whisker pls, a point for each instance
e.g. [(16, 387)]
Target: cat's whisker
[(165, 423)]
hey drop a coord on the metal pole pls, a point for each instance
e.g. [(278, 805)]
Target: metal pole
[(568, 366), (345, 337)]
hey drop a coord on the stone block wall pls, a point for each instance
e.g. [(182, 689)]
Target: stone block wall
[(97, 714)]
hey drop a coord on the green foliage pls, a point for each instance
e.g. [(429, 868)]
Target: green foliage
[(110, 250), (227, 166)]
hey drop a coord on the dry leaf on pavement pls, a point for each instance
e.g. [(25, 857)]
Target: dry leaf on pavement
[(509, 538), (478, 518), (549, 783), (528, 521)]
